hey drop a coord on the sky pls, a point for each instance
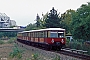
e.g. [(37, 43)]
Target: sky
[(24, 12)]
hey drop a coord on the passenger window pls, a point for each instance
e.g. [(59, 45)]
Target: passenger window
[(60, 34), (53, 34)]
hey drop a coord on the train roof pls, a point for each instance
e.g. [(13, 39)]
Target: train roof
[(47, 29)]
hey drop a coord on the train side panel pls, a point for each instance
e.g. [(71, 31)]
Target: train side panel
[(53, 40)]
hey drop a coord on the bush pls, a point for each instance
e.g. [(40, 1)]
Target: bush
[(1, 42), (11, 40), (16, 53), (78, 44)]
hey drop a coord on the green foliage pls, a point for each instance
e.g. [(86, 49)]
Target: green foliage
[(66, 19), (10, 41), (75, 44), (16, 53), (1, 34), (52, 20), (67, 43), (37, 21), (28, 59), (81, 23), (30, 27), (1, 42), (78, 44), (34, 27), (8, 34), (35, 57)]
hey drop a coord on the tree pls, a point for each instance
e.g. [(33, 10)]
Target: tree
[(37, 20), (30, 27), (52, 20), (81, 22), (66, 19), (43, 19), (8, 34)]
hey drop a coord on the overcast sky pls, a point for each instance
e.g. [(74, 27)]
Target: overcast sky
[(25, 11)]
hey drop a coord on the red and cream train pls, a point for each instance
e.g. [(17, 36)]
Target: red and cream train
[(46, 38)]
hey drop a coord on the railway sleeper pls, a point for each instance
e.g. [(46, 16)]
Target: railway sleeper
[(80, 51), (75, 51), (84, 52)]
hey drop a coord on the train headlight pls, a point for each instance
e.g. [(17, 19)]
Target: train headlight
[(62, 41), (52, 40)]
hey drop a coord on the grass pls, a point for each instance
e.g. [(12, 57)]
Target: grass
[(9, 41), (16, 53), (79, 45), (2, 42)]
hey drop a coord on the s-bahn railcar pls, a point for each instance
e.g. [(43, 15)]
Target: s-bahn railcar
[(47, 38)]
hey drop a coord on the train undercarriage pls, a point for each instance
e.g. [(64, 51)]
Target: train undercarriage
[(42, 45)]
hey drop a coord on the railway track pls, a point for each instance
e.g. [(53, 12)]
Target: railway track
[(70, 53), (73, 54), (76, 55)]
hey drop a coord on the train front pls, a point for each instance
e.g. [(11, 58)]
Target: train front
[(56, 39)]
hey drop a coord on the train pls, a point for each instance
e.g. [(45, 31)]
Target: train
[(49, 38)]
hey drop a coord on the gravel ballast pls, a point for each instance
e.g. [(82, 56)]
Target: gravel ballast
[(46, 55)]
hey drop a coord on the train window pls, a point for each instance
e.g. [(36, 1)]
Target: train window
[(28, 34), (22, 34), (34, 34), (31, 34), (41, 34), (53, 34), (45, 34), (18, 34), (37, 34), (60, 34)]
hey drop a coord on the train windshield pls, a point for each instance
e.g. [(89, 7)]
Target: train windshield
[(60, 34), (57, 34)]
